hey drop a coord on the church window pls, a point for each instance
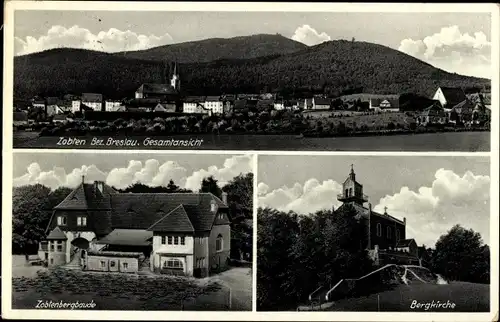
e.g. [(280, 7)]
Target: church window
[(219, 242), (347, 192), (397, 235), (350, 192), (389, 233), (125, 266), (379, 230)]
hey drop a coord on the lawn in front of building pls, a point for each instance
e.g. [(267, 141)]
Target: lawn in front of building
[(114, 291)]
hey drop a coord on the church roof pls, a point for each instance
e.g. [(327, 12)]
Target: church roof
[(149, 88), (365, 212), (57, 233)]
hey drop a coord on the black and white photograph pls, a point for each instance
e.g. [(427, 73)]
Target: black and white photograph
[(236, 80), (336, 235), (132, 232)]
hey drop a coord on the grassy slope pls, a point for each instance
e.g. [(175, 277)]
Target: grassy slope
[(468, 297)]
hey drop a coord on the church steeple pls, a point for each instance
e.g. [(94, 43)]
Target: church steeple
[(175, 80), (352, 191)]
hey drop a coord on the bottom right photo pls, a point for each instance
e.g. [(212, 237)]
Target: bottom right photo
[(373, 233)]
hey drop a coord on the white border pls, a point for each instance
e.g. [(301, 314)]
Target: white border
[(7, 311)]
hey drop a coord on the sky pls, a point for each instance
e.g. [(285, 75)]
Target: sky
[(121, 170), (456, 42), (433, 193)]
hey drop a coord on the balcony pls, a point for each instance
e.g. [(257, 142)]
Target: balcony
[(343, 198)]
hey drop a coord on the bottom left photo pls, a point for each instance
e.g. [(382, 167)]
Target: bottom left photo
[(133, 231)]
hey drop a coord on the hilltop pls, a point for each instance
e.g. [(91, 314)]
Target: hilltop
[(334, 68), (243, 47)]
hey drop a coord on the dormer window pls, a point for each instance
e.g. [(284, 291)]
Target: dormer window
[(213, 206), (62, 221)]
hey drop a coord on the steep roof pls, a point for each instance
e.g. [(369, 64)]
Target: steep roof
[(453, 95), (365, 212), (194, 99), (141, 210), (92, 97), (129, 237), (148, 88), (175, 221), (405, 242), (433, 110), (76, 200), (377, 101), (212, 98), (87, 196), (57, 233), (322, 101)]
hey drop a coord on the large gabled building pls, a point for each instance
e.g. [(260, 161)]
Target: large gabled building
[(98, 228)]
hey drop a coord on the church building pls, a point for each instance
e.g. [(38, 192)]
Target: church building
[(385, 234)]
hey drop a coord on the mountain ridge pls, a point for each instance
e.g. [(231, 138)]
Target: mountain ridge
[(332, 67)]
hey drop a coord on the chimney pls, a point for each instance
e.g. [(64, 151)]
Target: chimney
[(224, 197), (213, 206), (404, 220)]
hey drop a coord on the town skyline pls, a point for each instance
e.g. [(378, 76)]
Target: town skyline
[(422, 189), (456, 42)]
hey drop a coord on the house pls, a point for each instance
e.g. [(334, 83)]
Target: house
[(92, 100), (265, 104), (308, 104), (165, 107), (417, 104), (20, 119), (321, 103), (112, 105), (38, 103), (169, 233), (383, 232), (76, 105), (449, 96), (433, 114), (384, 105), (408, 246), (194, 104), (214, 104), (279, 105), (463, 112)]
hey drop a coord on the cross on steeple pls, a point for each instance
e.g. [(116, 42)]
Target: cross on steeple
[(385, 209)]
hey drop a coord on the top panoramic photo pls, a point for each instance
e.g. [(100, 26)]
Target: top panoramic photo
[(273, 81)]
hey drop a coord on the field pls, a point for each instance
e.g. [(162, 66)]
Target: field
[(230, 290), (358, 120), (467, 297)]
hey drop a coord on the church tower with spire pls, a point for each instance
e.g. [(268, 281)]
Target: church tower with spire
[(175, 81), (352, 191)]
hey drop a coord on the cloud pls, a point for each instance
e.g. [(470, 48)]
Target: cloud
[(307, 198), (453, 51), (430, 211), (309, 36), (150, 173), (112, 40), (232, 167)]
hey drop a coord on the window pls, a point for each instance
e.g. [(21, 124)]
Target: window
[(170, 240), (52, 261), (397, 234), (183, 240), (103, 264), (347, 192), (200, 262), (59, 246), (219, 243), (389, 233), (61, 221), (350, 192), (112, 264), (81, 221), (51, 244), (125, 265), (176, 240), (173, 263), (163, 240), (379, 230)]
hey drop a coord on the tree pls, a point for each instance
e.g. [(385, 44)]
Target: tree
[(172, 187), (461, 255), (210, 184), (30, 216), (240, 202)]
